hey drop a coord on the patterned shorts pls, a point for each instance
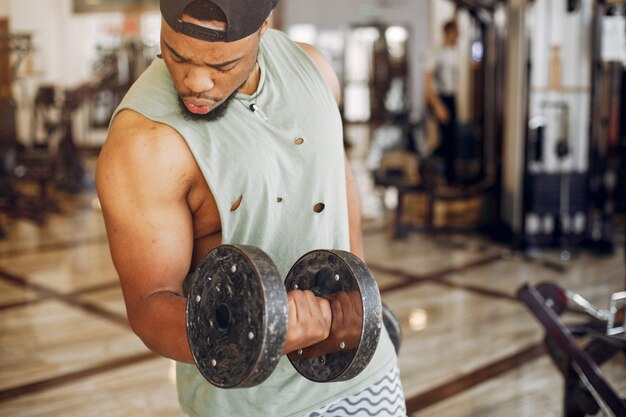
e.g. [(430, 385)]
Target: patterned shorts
[(384, 398)]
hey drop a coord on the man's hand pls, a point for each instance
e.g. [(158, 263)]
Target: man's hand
[(347, 319), (345, 330), (441, 112), (309, 320)]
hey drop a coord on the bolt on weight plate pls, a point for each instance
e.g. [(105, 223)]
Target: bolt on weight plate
[(236, 316), (341, 276)]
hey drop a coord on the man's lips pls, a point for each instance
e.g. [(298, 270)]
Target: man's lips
[(199, 107)]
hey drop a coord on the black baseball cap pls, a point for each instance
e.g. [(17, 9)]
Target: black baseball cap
[(243, 18)]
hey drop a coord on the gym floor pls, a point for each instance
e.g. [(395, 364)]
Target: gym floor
[(469, 349)]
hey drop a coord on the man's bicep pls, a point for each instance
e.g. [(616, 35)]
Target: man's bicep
[(150, 246), (147, 219)]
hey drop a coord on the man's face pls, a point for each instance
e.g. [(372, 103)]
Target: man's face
[(452, 36), (207, 74)]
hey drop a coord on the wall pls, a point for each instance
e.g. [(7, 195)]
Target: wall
[(65, 52), (4, 8), (63, 40), (332, 14), (424, 18)]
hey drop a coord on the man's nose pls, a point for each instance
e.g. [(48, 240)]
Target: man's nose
[(199, 80)]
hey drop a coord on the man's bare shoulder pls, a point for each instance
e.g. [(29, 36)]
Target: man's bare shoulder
[(324, 68), (134, 135), (142, 150)]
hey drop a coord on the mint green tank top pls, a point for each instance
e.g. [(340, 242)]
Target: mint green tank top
[(282, 161)]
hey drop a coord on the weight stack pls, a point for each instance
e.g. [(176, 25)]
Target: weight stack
[(555, 209)]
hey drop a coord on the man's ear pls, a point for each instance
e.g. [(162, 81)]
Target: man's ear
[(266, 24)]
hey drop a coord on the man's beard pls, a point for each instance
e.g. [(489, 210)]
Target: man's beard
[(215, 114)]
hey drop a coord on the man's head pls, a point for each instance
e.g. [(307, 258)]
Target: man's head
[(450, 32), (210, 49)]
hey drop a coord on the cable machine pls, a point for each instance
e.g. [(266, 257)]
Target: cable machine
[(560, 141)]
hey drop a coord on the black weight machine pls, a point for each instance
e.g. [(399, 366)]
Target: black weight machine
[(18, 162), (55, 159), (569, 184), (40, 163), (586, 389)]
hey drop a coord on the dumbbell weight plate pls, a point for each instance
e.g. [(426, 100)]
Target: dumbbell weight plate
[(392, 324), (327, 272), (236, 316), (554, 296)]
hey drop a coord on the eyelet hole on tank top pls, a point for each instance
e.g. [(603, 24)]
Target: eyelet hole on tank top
[(237, 203), (319, 207), (299, 141), (279, 200)]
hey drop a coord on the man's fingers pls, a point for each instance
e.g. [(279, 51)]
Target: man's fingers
[(305, 304), (292, 308), (327, 313), (355, 301), (337, 312)]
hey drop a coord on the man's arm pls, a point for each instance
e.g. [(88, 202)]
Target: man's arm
[(142, 178), (324, 68), (354, 205), (354, 215), (432, 99), (144, 174)]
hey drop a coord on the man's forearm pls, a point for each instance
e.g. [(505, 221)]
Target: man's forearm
[(161, 325)]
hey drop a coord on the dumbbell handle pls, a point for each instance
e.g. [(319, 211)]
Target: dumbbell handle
[(579, 300)]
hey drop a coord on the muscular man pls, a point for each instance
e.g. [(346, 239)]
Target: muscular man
[(233, 135), (441, 83)]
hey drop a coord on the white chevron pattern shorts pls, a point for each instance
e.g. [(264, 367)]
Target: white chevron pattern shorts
[(385, 398)]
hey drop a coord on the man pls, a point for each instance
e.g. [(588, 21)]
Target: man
[(233, 136), (441, 83)]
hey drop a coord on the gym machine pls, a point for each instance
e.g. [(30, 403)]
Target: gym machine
[(586, 389), (558, 188), (559, 300), (607, 164), (55, 159), (16, 161)]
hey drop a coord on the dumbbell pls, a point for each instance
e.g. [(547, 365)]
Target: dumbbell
[(237, 313)]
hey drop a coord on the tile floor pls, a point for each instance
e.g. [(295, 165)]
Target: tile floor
[(469, 349)]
